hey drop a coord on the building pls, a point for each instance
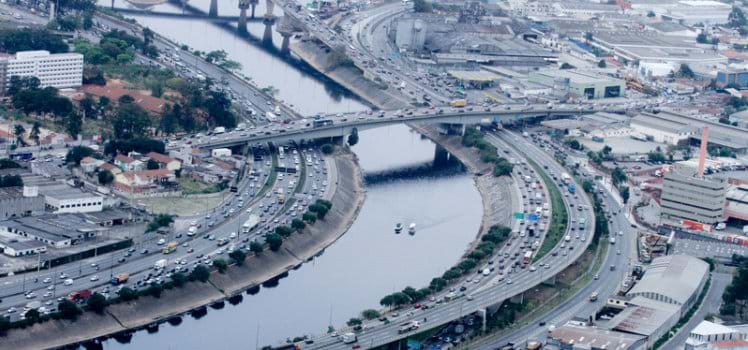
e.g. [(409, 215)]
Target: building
[(673, 279), (576, 337), (662, 130), (20, 201), (126, 163), (689, 197), (63, 70), (164, 161), (90, 164), (62, 198), (410, 34), (57, 231), (733, 76), (645, 317), (145, 181), (706, 334), (584, 84), (15, 248)]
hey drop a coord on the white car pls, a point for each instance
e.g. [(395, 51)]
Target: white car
[(94, 278)]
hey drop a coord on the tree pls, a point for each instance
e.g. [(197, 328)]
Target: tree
[(437, 283), (97, 303), (353, 137), (154, 290), (73, 124), (152, 164), (275, 241), (179, 279), (105, 177), (625, 194), (77, 153), (131, 121), (319, 209), (566, 66), (587, 186), (618, 176), (68, 310), (602, 64), (309, 217), (370, 314), (255, 247), (34, 134), (736, 18), (11, 181), (574, 144), (702, 38), (283, 231), (422, 6), (503, 167), (651, 14), (655, 156), (238, 257), (298, 224), (354, 322), (200, 273), (32, 316), (14, 40), (18, 131), (127, 294), (684, 71), (327, 148)]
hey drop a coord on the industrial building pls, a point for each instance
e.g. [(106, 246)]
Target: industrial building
[(645, 317), (689, 197), (709, 335), (673, 128), (650, 46), (576, 337), (673, 279), (57, 231), (20, 201), (732, 76), (62, 198), (583, 84), (17, 248), (64, 70), (660, 129)]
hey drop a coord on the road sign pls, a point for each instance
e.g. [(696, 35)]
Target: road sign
[(533, 217), (519, 216)]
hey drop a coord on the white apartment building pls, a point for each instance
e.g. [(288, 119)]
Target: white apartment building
[(62, 70)]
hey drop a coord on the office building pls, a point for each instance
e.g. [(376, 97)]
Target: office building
[(689, 197), (63, 70)]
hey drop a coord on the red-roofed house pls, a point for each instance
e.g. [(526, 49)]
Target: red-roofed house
[(112, 169), (144, 181), (128, 164), (89, 164), (114, 90), (165, 161)]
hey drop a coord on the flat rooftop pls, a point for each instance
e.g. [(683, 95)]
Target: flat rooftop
[(595, 338)]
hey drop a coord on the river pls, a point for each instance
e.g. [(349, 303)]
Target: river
[(403, 184)]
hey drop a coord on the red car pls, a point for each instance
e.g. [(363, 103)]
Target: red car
[(417, 305), (356, 346)]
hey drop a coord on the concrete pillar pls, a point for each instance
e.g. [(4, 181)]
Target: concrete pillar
[(53, 9), (52, 3), (269, 6), (213, 8), (253, 4), (519, 298), (267, 35), (286, 42), (243, 19), (483, 317), (441, 156)]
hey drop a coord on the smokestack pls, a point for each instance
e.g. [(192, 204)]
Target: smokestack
[(702, 152)]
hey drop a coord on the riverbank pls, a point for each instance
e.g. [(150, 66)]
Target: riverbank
[(347, 201), (349, 77)]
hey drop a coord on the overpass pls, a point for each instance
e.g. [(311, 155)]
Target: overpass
[(184, 15), (342, 125)]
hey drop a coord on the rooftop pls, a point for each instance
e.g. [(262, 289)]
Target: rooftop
[(595, 338), (708, 328), (643, 316), (474, 75), (677, 277)]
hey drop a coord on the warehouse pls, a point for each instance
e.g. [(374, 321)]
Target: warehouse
[(673, 279), (573, 337), (663, 130), (20, 201), (58, 231), (589, 85)]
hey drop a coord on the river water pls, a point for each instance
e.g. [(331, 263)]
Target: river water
[(404, 183)]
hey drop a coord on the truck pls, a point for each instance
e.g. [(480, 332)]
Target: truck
[(219, 130), (281, 199), (565, 178), (79, 295), (720, 226), (251, 223), (461, 102), (270, 116), (572, 188), (170, 247), (408, 326), (222, 242), (349, 338), (119, 279), (322, 122), (567, 238), (160, 264), (612, 240), (527, 257)]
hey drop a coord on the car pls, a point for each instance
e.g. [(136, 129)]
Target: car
[(144, 251), (94, 278)]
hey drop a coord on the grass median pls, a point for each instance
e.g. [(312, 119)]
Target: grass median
[(559, 215)]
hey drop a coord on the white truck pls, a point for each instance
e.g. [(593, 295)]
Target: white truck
[(349, 338), (219, 130), (408, 326), (612, 240), (567, 238), (565, 178), (160, 264)]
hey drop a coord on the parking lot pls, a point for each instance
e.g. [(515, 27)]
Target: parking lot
[(707, 248)]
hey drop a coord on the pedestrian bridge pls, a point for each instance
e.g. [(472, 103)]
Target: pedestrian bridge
[(343, 125)]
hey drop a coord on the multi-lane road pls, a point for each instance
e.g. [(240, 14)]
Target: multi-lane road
[(301, 189), (496, 290)]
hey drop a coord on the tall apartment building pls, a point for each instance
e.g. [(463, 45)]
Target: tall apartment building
[(685, 195), (62, 70)]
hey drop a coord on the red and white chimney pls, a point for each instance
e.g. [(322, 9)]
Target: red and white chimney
[(702, 151)]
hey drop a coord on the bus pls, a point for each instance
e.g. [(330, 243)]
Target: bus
[(172, 246)]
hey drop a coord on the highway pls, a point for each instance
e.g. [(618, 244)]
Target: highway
[(192, 251), (343, 124), (437, 314), (607, 283)]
